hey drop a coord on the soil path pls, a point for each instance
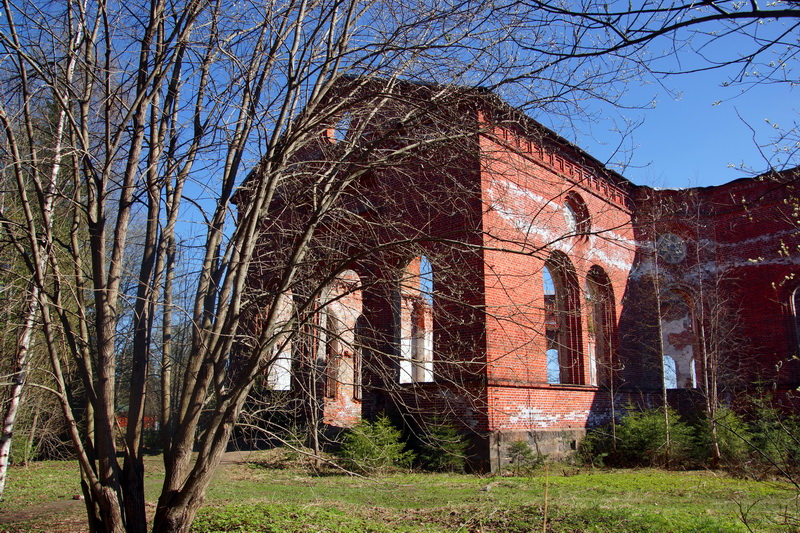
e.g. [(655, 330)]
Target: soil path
[(69, 514), (71, 511)]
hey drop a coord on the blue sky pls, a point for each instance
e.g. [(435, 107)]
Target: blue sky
[(704, 133), (701, 131)]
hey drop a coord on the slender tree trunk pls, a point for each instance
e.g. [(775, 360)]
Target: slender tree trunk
[(20, 375), (32, 433), (664, 397)]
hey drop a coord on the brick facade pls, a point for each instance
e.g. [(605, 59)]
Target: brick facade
[(547, 272)]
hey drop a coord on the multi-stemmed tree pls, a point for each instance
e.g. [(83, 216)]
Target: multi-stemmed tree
[(160, 111)]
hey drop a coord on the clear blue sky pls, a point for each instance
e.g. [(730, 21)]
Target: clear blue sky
[(704, 132), (692, 139)]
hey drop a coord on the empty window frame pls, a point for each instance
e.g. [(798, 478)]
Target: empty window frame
[(562, 321), (601, 326), (414, 321), (279, 371), (678, 340)]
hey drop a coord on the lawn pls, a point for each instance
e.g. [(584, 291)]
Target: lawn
[(265, 492)]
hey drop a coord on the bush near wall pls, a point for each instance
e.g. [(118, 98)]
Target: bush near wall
[(641, 440), (374, 447), (763, 441)]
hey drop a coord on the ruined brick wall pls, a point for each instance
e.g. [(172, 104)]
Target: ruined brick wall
[(492, 211), (757, 257), (736, 276), (526, 182)]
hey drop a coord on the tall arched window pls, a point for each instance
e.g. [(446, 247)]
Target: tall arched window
[(794, 307), (341, 302), (414, 317), (562, 321), (551, 327), (678, 339), (279, 371), (602, 330)]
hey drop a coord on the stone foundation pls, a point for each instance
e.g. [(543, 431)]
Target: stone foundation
[(553, 444)]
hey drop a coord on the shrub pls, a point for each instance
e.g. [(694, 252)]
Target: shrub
[(443, 449), (775, 439), (373, 447), (522, 457), (733, 436), (641, 440), (595, 447)]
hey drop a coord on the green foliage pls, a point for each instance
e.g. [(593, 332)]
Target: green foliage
[(269, 518), (295, 500), (520, 518), (522, 457), (642, 440), (444, 449), (776, 440), (764, 442), (733, 436), (373, 447)]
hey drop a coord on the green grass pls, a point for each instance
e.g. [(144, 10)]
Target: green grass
[(272, 493), (590, 500), (38, 482)]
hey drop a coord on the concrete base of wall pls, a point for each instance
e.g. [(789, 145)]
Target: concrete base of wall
[(549, 443)]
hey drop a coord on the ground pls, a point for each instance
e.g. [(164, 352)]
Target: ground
[(269, 492)]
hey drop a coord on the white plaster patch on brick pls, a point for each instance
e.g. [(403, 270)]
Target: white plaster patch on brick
[(470, 419), (596, 419), (620, 258), (513, 204), (646, 267), (531, 417), (524, 222), (768, 237), (761, 261), (526, 196)]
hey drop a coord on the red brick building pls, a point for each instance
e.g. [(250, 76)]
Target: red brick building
[(503, 279)]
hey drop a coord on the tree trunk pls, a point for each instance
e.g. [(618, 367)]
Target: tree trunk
[(20, 375)]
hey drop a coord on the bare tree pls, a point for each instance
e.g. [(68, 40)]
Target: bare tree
[(747, 43), (162, 109)]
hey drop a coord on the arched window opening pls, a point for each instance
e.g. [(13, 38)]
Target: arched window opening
[(678, 339), (279, 371), (794, 306), (339, 320), (415, 322), (601, 326), (670, 373), (551, 322), (576, 215), (562, 321)]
